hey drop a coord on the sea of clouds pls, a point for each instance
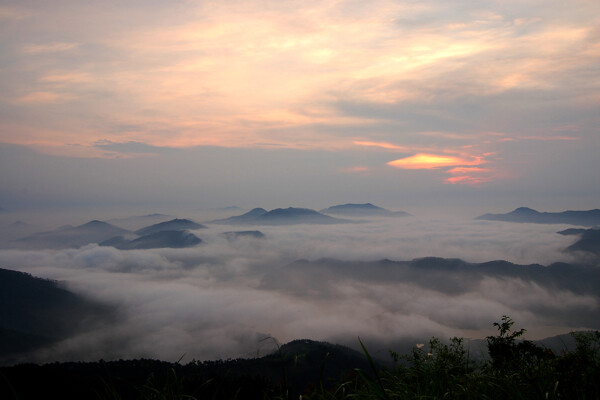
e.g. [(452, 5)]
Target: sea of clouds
[(222, 298)]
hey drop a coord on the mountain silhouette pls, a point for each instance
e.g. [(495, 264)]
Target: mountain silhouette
[(242, 219), (35, 312), (156, 240), (588, 242), (524, 214), (140, 221), (172, 225), (238, 234), (571, 231), (281, 216), (366, 209), (71, 237), (15, 230)]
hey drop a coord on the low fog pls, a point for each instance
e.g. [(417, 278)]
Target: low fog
[(221, 298)]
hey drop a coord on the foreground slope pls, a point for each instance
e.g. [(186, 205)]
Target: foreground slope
[(36, 312)]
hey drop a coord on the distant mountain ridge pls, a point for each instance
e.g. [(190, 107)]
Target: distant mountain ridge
[(156, 240), (588, 242), (446, 275), (69, 237), (140, 221), (366, 209), (281, 216), (239, 234), (176, 224), (525, 214)]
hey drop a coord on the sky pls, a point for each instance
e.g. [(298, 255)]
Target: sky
[(409, 104)]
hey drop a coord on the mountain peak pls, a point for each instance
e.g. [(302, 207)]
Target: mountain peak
[(524, 210), (176, 224), (94, 224), (255, 211), (364, 210)]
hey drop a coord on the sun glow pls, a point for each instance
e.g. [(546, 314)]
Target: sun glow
[(432, 161)]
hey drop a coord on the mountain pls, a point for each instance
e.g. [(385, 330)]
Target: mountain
[(588, 242), (156, 240), (449, 276), (36, 312), (71, 237), (366, 210), (137, 222), (571, 232), (281, 216), (172, 225), (524, 214), (238, 234), (16, 230), (246, 218)]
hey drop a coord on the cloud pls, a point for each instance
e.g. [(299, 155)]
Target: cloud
[(49, 47), (230, 78), (131, 147), (550, 138), (462, 172), (326, 283), (432, 161), (412, 78), (40, 97), (383, 145)]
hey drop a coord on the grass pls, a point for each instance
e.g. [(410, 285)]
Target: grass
[(516, 369)]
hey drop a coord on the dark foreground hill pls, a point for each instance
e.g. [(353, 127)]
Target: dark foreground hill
[(524, 214), (36, 312), (281, 216), (315, 370), (299, 366)]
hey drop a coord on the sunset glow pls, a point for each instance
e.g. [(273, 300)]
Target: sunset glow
[(431, 161)]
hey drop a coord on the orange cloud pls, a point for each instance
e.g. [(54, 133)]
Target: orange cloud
[(463, 170), (432, 161), (467, 180), (468, 175)]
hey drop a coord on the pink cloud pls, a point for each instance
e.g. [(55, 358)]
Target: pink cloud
[(383, 145)]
